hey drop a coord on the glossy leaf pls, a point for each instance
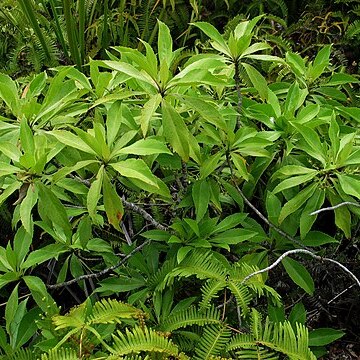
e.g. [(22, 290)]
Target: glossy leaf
[(299, 275)]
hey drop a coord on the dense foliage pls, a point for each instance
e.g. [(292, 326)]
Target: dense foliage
[(144, 188)]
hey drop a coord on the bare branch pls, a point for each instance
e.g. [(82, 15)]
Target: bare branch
[(298, 251), (261, 216), (102, 272), (133, 207), (334, 207)]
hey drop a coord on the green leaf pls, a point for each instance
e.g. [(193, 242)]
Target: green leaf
[(258, 81), (308, 113), (214, 35), (230, 222), (26, 207), (7, 169), (233, 236), (112, 203), (201, 198), (313, 144), (44, 254), (175, 130), (9, 150), (22, 243), (94, 193), (318, 238), (299, 275), (296, 63), (8, 92), (273, 207), (53, 209), (60, 174), (40, 295), (36, 86), (11, 307), (72, 140), (206, 110), (324, 336), (294, 181), (113, 122), (342, 214), (289, 170), (27, 327), (26, 137), (298, 314), (145, 147), (350, 184), (128, 69), (296, 202), (136, 169), (341, 79), (294, 100), (320, 63), (334, 134), (240, 166), (9, 190), (307, 220), (165, 53), (148, 111)]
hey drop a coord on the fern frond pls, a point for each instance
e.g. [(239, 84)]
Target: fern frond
[(212, 343), (109, 311), (191, 316), (270, 338), (353, 30), (60, 354), (22, 354), (210, 291), (160, 275), (138, 340), (75, 318), (199, 263), (242, 295), (130, 357)]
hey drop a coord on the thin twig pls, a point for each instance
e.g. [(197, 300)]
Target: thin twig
[(133, 207), (338, 295), (102, 272), (260, 215), (335, 207), (304, 251), (129, 205)]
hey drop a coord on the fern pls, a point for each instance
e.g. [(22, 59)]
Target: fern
[(142, 340), (60, 354), (242, 296), (106, 311), (353, 30), (210, 291), (110, 311), (202, 264), (189, 317), (264, 341), (212, 343), (22, 354)]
